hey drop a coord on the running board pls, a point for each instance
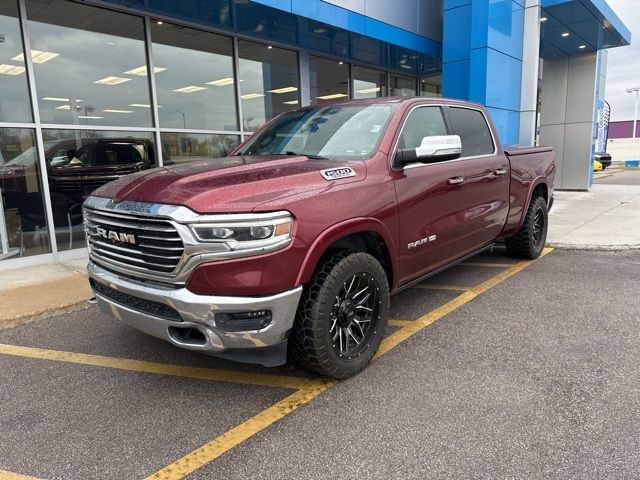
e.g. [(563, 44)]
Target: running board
[(442, 269)]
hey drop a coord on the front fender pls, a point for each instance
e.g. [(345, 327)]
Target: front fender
[(343, 229)]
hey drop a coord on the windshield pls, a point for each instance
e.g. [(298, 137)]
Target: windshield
[(344, 132)]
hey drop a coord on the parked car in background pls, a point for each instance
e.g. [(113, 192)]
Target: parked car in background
[(603, 158), (296, 241)]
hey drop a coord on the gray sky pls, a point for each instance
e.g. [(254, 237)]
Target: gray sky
[(623, 70)]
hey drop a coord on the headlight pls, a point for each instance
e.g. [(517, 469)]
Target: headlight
[(248, 231)]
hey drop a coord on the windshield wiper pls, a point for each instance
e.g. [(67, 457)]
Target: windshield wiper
[(312, 157)]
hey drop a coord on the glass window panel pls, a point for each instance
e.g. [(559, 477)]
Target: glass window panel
[(194, 78), (368, 83), (192, 147), (431, 86), (89, 64), (473, 130), (79, 161), (14, 93), (328, 80), (402, 86), (23, 225), (422, 122), (269, 82)]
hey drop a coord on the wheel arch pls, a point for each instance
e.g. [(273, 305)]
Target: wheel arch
[(361, 235)]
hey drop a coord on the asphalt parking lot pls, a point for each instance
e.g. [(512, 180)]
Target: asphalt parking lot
[(493, 369)]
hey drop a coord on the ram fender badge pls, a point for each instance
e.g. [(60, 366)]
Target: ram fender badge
[(422, 241), (336, 173)]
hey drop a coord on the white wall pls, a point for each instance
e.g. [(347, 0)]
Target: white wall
[(622, 149)]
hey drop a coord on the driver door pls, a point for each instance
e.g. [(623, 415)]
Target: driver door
[(428, 208)]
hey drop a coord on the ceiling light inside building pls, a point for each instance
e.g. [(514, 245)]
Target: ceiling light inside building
[(565, 34), (291, 102), (55, 99), (160, 22), (319, 30), (37, 56), (142, 71), (543, 19), (112, 80), (269, 47), (117, 111), (369, 90), (6, 69), (89, 117), (63, 107), (222, 82), (284, 90), (189, 89), (332, 96), (249, 96), (582, 46)]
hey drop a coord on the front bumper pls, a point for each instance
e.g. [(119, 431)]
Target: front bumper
[(266, 346)]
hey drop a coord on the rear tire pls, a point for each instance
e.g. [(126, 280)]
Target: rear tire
[(342, 316), (529, 241)]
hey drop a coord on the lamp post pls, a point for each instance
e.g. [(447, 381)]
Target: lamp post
[(635, 90)]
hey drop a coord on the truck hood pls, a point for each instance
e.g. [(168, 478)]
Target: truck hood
[(230, 184)]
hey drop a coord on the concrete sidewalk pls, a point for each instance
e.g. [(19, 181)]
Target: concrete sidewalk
[(41, 291), (605, 218)]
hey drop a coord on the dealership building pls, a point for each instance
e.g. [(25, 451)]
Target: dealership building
[(93, 90)]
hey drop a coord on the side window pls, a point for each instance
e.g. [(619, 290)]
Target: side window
[(422, 122), (473, 130)]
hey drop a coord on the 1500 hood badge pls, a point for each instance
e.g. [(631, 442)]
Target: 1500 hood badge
[(336, 173), (422, 241)]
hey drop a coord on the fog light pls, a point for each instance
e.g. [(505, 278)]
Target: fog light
[(243, 321)]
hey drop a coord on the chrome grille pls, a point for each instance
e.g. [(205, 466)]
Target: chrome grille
[(156, 248)]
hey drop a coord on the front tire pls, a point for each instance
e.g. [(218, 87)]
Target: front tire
[(529, 241), (342, 315)]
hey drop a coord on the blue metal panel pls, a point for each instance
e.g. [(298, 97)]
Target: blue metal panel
[(456, 79), (507, 124), (457, 34), (496, 79)]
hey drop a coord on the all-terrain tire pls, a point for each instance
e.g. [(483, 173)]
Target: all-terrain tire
[(312, 340), (529, 241)]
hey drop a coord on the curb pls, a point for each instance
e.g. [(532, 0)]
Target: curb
[(47, 313)]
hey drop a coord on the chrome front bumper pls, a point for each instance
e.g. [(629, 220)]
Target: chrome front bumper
[(266, 346)]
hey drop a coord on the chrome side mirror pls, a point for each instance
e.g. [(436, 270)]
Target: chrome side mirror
[(432, 149)]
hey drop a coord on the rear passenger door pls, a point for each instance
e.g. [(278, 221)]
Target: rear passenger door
[(482, 174)]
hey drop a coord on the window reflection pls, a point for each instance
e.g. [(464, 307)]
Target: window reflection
[(269, 82), (369, 83), (328, 80), (192, 147), (14, 96), (402, 86), (78, 162), (23, 225), (194, 78), (431, 86), (89, 65)]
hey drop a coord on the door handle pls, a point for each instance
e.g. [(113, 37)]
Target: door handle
[(455, 180), (501, 171)]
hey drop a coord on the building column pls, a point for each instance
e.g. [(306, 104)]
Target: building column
[(530, 74), (571, 87), (482, 58)]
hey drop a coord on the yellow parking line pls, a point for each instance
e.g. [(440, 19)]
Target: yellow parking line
[(4, 475), (405, 332), (428, 286), (399, 323), (161, 368), (225, 442)]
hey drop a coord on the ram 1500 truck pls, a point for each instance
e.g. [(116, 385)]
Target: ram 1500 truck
[(294, 243)]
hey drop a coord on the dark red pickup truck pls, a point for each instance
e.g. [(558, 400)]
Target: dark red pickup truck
[(295, 241)]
